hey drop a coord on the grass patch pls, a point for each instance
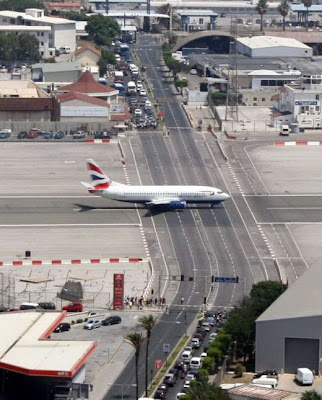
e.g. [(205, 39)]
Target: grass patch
[(170, 360)]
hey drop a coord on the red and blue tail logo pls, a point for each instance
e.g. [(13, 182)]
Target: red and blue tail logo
[(99, 180)]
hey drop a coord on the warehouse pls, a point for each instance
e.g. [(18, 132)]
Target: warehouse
[(271, 46), (289, 332)]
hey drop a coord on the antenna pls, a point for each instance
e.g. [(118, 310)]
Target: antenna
[(232, 81)]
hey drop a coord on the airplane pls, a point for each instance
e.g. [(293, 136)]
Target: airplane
[(174, 196)]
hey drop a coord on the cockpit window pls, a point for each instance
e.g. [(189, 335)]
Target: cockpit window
[(219, 192)]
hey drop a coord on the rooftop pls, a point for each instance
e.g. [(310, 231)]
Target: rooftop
[(27, 17), (302, 299), (197, 13), (25, 347), (257, 392), (20, 88), (25, 28), (57, 5), (87, 47), (258, 42), (86, 84), (88, 99)]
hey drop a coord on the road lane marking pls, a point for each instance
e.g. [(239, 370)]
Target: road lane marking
[(294, 208), (49, 225)]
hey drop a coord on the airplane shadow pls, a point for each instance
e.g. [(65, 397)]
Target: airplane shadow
[(150, 211)]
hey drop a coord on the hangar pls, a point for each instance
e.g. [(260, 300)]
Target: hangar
[(289, 332)]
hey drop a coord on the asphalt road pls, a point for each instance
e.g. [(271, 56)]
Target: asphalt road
[(205, 241)]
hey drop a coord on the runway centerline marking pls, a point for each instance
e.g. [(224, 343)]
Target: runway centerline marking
[(47, 225), (294, 208)]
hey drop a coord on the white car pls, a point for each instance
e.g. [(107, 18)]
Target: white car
[(92, 324), (202, 356), (190, 377), (138, 112), (142, 92), (179, 395), (206, 326), (187, 384), (193, 71), (93, 314), (117, 57), (139, 85)]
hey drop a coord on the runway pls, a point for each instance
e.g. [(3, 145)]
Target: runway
[(286, 209)]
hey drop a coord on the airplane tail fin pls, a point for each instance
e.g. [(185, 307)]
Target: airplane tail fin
[(99, 180)]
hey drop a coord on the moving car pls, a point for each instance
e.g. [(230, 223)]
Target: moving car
[(112, 320), (92, 324), (170, 379), (63, 327), (76, 306)]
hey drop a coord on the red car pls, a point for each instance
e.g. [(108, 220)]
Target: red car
[(32, 134), (75, 307)]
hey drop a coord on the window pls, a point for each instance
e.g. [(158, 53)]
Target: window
[(41, 43), (317, 108), (255, 99), (42, 33), (5, 20), (201, 21), (12, 21), (263, 99), (317, 97)]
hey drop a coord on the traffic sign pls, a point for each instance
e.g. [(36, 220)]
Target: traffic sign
[(158, 364), (166, 348), (222, 279)]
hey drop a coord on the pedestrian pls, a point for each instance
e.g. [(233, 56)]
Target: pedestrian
[(182, 300)]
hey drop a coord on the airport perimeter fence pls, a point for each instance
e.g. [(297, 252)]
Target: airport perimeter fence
[(56, 126), (7, 291), (244, 126)]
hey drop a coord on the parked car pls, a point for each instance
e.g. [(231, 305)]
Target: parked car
[(102, 135), (79, 135), (5, 133), (59, 135), (92, 324), (63, 327), (22, 135), (48, 135), (29, 306), (48, 305), (268, 372), (137, 112), (112, 320), (76, 306), (4, 309), (170, 379), (32, 134)]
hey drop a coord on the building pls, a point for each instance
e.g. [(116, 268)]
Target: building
[(87, 85), (289, 332), (62, 31), (34, 361), (271, 46), (56, 72), (64, 7), (87, 55), (79, 107), (29, 109), (20, 89), (301, 101), (197, 20)]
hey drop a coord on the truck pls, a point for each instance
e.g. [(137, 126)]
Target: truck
[(304, 376), (131, 87), (264, 380)]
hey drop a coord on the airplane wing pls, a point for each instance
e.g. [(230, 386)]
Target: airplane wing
[(161, 202)]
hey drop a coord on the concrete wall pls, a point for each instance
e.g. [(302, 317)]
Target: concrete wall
[(258, 97), (62, 76), (282, 51), (270, 339), (25, 116), (87, 58), (64, 35)]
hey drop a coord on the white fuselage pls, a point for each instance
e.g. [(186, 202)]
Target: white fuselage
[(146, 194)]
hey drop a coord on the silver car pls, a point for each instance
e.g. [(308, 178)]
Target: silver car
[(92, 324)]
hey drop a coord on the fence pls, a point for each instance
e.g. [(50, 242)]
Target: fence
[(7, 291)]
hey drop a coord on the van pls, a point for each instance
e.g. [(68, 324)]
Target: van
[(263, 380), (29, 306), (195, 364), (285, 130), (65, 50), (186, 356), (195, 343), (304, 376), (131, 87)]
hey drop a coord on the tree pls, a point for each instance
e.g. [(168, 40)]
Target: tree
[(28, 48), (307, 4), (136, 339), (202, 390), (311, 395), (20, 5), (181, 84), (283, 9), (147, 322), (102, 29), (165, 22), (107, 57), (73, 15), (262, 9)]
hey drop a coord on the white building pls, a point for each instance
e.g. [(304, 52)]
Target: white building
[(197, 20), (51, 32), (271, 46), (302, 101), (263, 78)]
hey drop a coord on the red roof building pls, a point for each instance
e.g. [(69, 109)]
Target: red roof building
[(88, 86)]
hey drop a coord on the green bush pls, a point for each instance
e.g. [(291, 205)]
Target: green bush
[(73, 322), (208, 365), (223, 341), (239, 370), (79, 321), (86, 319)]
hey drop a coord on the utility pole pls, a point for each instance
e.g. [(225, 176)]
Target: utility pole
[(107, 6), (232, 79)]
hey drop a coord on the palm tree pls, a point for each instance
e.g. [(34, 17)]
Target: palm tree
[(166, 9), (307, 4), (283, 9), (262, 9), (147, 322), (136, 339)]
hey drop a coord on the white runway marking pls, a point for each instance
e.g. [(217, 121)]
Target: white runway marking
[(294, 208), (48, 225)]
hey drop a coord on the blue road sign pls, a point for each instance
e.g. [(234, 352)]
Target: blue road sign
[(222, 279)]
